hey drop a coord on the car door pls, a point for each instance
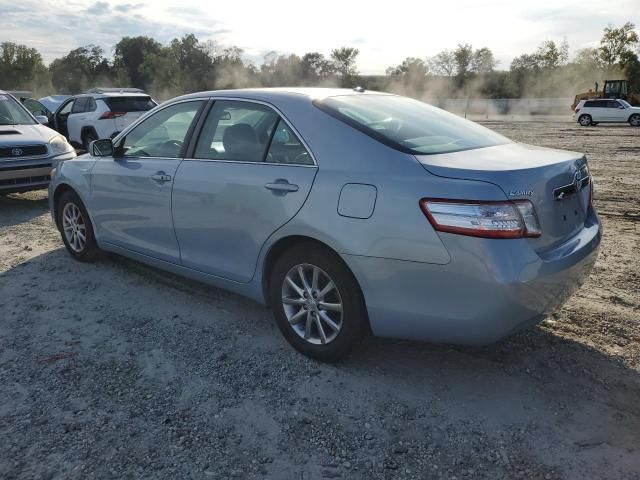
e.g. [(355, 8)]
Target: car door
[(131, 191), (249, 174), (75, 119), (61, 116), (38, 109), (618, 111)]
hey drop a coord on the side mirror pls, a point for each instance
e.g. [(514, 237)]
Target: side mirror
[(42, 119), (622, 107), (101, 148)]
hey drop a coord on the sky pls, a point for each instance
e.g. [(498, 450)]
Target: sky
[(384, 34)]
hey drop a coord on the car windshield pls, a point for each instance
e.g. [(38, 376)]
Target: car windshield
[(625, 103), (12, 113), (409, 125)]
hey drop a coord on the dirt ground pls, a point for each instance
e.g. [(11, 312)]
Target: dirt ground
[(116, 370)]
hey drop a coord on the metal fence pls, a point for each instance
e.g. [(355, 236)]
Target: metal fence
[(504, 106)]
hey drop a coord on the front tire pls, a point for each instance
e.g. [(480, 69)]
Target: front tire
[(317, 303), (585, 120), (634, 120), (76, 229)]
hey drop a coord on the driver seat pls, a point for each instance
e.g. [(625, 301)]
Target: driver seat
[(241, 143)]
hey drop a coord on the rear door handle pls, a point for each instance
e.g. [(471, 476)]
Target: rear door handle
[(281, 185), (161, 177)]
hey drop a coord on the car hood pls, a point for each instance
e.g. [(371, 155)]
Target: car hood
[(25, 134)]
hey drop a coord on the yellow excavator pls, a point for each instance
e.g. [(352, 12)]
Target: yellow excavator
[(611, 89)]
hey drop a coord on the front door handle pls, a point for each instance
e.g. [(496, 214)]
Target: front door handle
[(161, 177), (281, 185)]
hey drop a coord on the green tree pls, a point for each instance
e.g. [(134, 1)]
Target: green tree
[(483, 61), (80, 69), (316, 68), (443, 63), (410, 77), (128, 58), (344, 62), (618, 44), (21, 67)]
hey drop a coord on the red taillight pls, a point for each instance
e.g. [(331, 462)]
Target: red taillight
[(577, 110), (110, 115), (487, 219)]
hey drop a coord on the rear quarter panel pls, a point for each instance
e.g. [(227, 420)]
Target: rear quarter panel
[(397, 229)]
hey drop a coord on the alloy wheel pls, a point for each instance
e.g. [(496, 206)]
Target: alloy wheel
[(635, 120), (74, 227), (585, 121), (312, 304)]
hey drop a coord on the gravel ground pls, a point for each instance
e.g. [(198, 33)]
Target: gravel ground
[(117, 370)]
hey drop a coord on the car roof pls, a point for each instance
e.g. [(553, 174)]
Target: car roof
[(112, 95), (280, 93)]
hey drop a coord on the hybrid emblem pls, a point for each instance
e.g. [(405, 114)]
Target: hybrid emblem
[(16, 152)]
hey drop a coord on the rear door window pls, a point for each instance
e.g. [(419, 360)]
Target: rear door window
[(80, 105), (287, 148), (238, 131), (141, 103)]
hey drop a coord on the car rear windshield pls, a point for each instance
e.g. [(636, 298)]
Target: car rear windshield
[(12, 113), (409, 125), (130, 104)]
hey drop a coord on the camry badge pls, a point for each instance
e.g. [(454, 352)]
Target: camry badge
[(520, 193), (16, 152)]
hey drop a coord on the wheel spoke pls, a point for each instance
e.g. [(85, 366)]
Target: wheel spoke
[(295, 287), (323, 336), (327, 288), (293, 301), (304, 280), (334, 307), (297, 317), (307, 328), (314, 280), (334, 326)]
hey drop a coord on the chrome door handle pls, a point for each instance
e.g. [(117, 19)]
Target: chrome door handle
[(281, 186), (161, 177)]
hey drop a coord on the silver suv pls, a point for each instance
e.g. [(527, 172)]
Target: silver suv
[(28, 149)]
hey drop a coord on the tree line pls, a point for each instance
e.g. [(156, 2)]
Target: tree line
[(187, 64)]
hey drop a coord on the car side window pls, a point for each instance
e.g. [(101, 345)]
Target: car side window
[(235, 130), (91, 105), (287, 148), (79, 105), (67, 108), (35, 107), (162, 134)]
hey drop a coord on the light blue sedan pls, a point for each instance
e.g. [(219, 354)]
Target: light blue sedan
[(345, 211)]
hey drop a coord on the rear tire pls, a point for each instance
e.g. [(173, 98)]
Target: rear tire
[(76, 229), (585, 120), (323, 317), (87, 138), (634, 120)]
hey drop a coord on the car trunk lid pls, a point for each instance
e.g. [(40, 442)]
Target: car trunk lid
[(555, 181)]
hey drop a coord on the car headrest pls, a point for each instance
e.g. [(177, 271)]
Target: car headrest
[(241, 139)]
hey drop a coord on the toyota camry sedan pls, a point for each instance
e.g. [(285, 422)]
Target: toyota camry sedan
[(346, 212)]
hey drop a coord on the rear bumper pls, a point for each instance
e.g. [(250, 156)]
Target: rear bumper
[(490, 289)]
